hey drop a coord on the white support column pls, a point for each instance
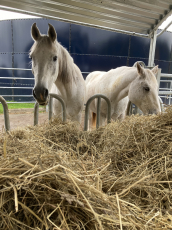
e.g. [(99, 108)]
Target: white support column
[(152, 49)]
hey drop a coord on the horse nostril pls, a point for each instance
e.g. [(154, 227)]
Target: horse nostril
[(45, 93)]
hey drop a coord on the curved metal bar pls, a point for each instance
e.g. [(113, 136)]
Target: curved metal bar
[(6, 114), (98, 112), (62, 103), (161, 104), (36, 113), (52, 95), (50, 106), (99, 96), (129, 109), (141, 63)]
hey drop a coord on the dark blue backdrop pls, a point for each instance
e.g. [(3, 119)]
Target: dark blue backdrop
[(92, 49)]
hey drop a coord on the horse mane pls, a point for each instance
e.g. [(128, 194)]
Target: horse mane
[(66, 66)]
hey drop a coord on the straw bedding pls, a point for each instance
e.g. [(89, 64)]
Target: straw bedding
[(55, 176)]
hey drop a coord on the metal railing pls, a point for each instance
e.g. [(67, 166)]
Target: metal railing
[(166, 92), (98, 96), (51, 95), (15, 87), (6, 114)]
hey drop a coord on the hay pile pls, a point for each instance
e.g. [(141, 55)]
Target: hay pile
[(119, 177)]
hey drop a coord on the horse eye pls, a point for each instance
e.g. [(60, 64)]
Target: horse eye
[(55, 58), (146, 88)]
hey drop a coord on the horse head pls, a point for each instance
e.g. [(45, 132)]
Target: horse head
[(143, 91), (45, 54)]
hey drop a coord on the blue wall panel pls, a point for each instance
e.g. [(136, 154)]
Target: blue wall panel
[(22, 33), (5, 37), (139, 47), (5, 62), (86, 40), (164, 47), (163, 65), (89, 63)]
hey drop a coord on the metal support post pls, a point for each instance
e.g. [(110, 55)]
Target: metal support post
[(152, 49)]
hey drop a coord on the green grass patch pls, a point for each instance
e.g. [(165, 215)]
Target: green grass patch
[(17, 106)]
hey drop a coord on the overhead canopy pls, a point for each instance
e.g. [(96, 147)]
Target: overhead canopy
[(139, 17)]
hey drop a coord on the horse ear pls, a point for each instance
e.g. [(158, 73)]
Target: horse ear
[(35, 32), (155, 70), (52, 33), (140, 69)]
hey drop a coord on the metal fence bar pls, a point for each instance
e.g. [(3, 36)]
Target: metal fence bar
[(52, 95), (36, 113), (6, 113), (14, 68), (165, 80), (129, 109), (50, 115), (98, 112), (3, 87), (23, 69), (166, 75), (164, 89), (17, 95), (18, 78), (88, 105), (62, 103), (166, 97), (20, 102), (165, 92)]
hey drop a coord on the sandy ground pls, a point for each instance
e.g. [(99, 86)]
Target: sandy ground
[(25, 119), (22, 120)]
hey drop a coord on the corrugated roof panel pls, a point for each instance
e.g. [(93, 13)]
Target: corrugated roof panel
[(136, 16)]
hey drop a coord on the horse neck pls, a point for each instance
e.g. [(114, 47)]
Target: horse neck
[(123, 87), (67, 71)]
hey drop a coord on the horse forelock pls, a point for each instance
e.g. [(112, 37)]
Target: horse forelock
[(44, 40), (66, 66)]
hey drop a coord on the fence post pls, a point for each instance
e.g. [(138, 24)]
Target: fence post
[(36, 113), (6, 113), (99, 96)]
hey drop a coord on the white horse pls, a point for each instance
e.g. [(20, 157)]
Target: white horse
[(120, 85), (55, 72)]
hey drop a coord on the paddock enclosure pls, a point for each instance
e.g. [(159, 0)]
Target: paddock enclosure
[(57, 176)]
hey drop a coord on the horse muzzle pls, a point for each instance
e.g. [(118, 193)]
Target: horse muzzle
[(41, 95)]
